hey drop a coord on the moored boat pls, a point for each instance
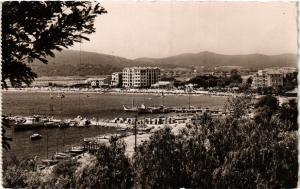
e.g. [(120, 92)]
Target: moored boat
[(35, 136)]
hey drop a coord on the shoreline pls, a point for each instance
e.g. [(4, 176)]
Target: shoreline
[(127, 92)]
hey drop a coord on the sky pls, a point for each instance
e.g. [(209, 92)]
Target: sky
[(161, 29)]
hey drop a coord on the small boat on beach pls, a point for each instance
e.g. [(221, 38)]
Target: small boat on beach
[(77, 150), (121, 129), (49, 162), (61, 155), (35, 136)]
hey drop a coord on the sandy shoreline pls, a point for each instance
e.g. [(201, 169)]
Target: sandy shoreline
[(127, 92)]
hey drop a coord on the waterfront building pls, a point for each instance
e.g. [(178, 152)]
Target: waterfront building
[(163, 85), (66, 81), (140, 77), (116, 79), (267, 78), (99, 81)]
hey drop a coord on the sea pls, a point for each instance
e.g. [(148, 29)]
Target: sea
[(90, 105)]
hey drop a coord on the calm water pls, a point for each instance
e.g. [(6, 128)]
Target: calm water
[(58, 140), (102, 106)]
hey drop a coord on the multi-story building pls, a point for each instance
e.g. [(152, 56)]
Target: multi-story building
[(116, 79), (259, 79), (140, 77), (274, 79), (270, 78)]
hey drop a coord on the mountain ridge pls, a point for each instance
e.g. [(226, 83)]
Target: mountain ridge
[(73, 62)]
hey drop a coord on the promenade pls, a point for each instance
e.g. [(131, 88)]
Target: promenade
[(160, 92)]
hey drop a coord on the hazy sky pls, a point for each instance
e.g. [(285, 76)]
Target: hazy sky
[(160, 29)]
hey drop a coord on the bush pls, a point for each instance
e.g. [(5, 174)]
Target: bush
[(112, 168)]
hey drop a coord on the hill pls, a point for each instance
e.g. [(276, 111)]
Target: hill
[(211, 60), (67, 63)]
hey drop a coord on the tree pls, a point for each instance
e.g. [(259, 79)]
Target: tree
[(235, 77), (21, 174), (249, 81), (266, 106), (5, 139), (238, 106), (35, 29), (288, 114), (112, 168), (157, 163)]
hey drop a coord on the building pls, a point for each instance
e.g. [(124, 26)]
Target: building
[(99, 81), (259, 79), (116, 79), (267, 78), (274, 79), (59, 81), (163, 85), (140, 77)]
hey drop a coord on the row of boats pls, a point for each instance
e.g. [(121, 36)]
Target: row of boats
[(74, 152), (37, 121), (163, 109)]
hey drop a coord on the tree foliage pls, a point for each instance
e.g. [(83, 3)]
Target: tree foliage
[(218, 154), (35, 29), (111, 170), (5, 139), (21, 174), (265, 107)]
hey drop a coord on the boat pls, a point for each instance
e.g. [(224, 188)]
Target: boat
[(121, 129), (35, 136), (29, 123), (77, 150), (61, 155), (49, 162), (132, 109)]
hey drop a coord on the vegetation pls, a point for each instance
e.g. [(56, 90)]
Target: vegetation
[(33, 30), (208, 81), (111, 170), (5, 139), (230, 152)]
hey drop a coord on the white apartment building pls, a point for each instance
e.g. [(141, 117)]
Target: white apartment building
[(270, 78), (116, 79), (140, 77)]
